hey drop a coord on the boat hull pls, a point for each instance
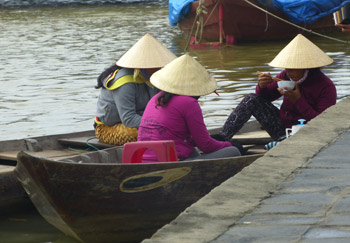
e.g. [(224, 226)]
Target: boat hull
[(112, 202), (244, 23)]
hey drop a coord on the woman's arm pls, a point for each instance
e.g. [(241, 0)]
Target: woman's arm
[(198, 130), (267, 87)]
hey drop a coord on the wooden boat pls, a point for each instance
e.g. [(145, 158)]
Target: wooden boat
[(57, 147), (242, 22), (95, 198)]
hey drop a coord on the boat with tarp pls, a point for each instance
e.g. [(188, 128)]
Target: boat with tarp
[(248, 20)]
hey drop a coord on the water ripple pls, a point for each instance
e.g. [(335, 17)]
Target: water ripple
[(51, 57)]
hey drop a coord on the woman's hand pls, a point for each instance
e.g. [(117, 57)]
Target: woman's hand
[(292, 95), (344, 27), (264, 79)]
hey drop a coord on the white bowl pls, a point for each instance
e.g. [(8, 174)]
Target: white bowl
[(287, 84)]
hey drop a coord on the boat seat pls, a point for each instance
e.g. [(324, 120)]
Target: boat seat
[(164, 149)]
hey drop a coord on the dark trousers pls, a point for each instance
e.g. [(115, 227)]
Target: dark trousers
[(264, 111)]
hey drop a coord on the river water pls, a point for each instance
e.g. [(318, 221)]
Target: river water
[(53, 51)]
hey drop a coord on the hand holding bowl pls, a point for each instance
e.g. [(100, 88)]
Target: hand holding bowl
[(287, 84)]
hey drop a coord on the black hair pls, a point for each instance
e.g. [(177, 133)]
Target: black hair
[(104, 75), (164, 98)]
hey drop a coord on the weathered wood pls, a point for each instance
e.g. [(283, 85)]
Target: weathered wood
[(9, 155), (94, 201), (53, 154), (50, 142), (6, 168)]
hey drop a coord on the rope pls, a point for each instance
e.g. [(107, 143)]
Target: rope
[(92, 146), (189, 37), (307, 30), (199, 14), (212, 11), (201, 9), (79, 150)]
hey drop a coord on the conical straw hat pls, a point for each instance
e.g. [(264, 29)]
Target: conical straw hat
[(184, 76), (301, 53), (147, 52)]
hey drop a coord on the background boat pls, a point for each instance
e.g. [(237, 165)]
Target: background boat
[(242, 22), (12, 195)]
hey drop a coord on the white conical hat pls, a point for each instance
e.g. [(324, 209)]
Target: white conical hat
[(147, 52), (301, 53), (184, 76)]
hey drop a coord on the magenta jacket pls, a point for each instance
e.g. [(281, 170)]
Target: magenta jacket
[(317, 94), (182, 121)]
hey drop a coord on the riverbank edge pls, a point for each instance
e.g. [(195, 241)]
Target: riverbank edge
[(215, 213)]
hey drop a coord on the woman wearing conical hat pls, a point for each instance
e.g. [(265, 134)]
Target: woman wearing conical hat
[(314, 92), (125, 90), (174, 113)]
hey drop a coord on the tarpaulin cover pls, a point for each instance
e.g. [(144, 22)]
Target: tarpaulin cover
[(298, 11), (305, 11), (178, 9)]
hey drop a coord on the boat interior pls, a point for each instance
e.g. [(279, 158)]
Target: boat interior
[(75, 146)]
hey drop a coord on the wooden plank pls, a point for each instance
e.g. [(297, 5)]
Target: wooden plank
[(6, 168), (256, 137), (52, 154), (250, 133), (9, 155)]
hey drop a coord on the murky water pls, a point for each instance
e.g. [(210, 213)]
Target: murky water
[(52, 55)]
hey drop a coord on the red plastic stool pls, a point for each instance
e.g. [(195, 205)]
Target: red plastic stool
[(164, 149)]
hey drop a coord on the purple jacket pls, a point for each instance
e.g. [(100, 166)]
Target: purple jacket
[(317, 94), (180, 120)]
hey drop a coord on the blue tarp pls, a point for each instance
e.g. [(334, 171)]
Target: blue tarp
[(178, 9), (298, 11), (308, 11)]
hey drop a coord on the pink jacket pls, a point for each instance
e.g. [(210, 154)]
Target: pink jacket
[(182, 121), (317, 94)]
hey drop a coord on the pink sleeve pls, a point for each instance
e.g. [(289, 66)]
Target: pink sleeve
[(198, 130)]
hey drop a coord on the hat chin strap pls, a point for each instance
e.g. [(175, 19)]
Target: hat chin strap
[(302, 79)]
